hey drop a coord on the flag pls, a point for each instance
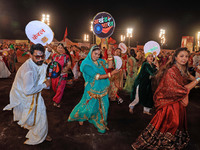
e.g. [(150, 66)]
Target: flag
[(65, 35), (12, 46), (111, 41)]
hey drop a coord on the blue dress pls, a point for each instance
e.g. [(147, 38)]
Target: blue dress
[(94, 103)]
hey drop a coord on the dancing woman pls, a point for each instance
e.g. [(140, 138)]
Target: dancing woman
[(59, 83), (116, 82), (142, 92), (168, 128), (94, 103), (132, 71)]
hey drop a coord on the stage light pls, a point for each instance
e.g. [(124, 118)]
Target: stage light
[(123, 37), (162, 36), (86, 38), (129, 35), (46, 19)]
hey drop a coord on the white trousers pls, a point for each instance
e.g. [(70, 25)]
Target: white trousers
[(136, 101)]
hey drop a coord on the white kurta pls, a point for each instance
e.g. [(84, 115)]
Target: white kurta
[(4, 72), (27, 103)]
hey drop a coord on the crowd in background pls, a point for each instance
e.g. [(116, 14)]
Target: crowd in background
[(132, 62), (15, 51)]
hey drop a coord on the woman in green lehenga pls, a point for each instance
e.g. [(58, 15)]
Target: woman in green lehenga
[(132, 71), (94, 103)]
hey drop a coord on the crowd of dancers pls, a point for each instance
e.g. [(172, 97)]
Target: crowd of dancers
[(163, 82)]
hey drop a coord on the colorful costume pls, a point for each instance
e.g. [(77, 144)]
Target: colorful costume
[(168, 128), (142, 87), (94, 103), (59, 83), (27, 102), (116, 83), (130, 80)]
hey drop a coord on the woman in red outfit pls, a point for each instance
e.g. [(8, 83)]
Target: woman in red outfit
[(58, 84), (168, 128)]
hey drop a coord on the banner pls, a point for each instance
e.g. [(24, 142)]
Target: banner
[(103, 25), (187, 41)]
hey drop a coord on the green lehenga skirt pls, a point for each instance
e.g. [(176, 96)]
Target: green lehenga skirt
[(94, 108)]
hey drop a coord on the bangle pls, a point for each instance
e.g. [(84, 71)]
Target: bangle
[(197, 79), (110, 58), (97, 76), (109, 75)]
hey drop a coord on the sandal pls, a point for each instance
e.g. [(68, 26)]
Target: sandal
[(56, 105)]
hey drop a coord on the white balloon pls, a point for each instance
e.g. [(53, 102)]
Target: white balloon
[(152, 47), (39, 32)]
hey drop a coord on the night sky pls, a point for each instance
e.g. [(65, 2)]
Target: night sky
[(146, 18)]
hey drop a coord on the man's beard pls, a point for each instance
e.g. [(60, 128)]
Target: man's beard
[(39, 63)]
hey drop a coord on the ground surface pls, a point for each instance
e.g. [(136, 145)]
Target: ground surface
[(124, 127)]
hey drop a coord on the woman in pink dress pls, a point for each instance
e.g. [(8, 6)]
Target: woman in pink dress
[(58, 84)]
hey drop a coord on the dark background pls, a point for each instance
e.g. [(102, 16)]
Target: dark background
[(178, 18)]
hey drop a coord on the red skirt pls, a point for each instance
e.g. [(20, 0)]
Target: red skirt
[(167, 129)]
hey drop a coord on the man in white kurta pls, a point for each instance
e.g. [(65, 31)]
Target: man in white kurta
[(25, 97)]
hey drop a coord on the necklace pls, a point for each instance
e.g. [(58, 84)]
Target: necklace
[(96, 63), (182, 72)]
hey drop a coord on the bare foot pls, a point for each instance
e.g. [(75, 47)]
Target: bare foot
[(131, 110), (80, 123), (148, 113), (56, 105)]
